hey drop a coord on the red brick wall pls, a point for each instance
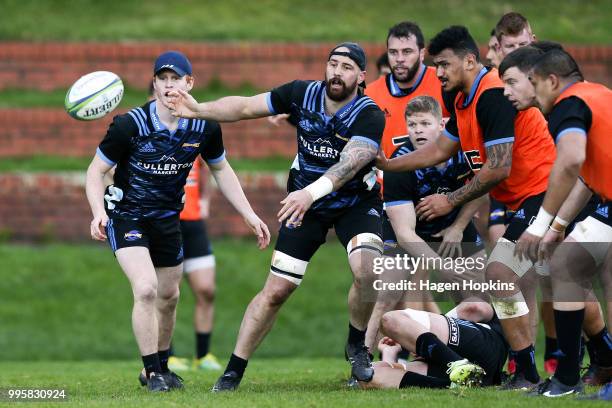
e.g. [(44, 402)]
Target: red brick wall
[(38, 207), (48, 66), (57, 65), (28, 132)]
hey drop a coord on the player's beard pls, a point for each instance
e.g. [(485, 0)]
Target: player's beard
[(408, 75), (343, 93)]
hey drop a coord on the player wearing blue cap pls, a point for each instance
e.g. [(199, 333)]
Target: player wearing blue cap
[(139, 213)]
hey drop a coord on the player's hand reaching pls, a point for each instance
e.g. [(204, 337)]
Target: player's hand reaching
[(451, 242), (260, 229), (181, 104), (387, 344), (382, 162), (549, 243), (433, 206), (527, 247), (294, 207), (97, 227), (279, 119)]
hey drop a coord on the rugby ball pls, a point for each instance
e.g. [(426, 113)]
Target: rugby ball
[(94, 95)]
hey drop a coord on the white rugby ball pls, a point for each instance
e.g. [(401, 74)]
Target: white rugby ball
[(94, 95)]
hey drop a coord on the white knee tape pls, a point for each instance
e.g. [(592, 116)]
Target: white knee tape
[(201, 262), (419, 316), (510, 307), (595, 237), (288, 267), (452, 313), (504, 253), (367, 241)]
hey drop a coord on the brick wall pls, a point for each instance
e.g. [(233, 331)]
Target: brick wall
[(53, 206), (47, 66), (28, 132)]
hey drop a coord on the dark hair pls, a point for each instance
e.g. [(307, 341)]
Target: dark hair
[(424, 104), (406, 29), (525, 58), (557, 62), (546, 45), (456, 38), (511, 24), (382, 61), (492, 32)]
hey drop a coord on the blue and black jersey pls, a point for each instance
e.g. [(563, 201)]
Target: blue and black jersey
[(321, 138), (412, 186), (153, 162)]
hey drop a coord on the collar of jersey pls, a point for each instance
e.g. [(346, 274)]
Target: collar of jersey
[(340, 113), (159, 126), (474, 87), (398, 92), (567, 86)]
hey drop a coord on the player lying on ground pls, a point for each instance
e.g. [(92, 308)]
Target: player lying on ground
[(468, 349), (139, 214), (338, 133)]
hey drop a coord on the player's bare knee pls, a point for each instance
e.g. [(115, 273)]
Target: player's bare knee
[(392, 322), (205, 294), (145, 293), (169, 299), (275, 295)]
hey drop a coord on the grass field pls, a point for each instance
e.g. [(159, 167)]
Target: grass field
[(57, 163), (65, 323), (297, 382), (569, 21)]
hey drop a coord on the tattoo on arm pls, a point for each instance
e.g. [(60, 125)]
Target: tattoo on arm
[(355, 155), (499, 157)]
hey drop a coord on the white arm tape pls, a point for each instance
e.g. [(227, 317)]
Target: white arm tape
[(320, 188), (541, 223), (561, 221)]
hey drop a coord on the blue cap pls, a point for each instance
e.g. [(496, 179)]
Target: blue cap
[(173, 60)]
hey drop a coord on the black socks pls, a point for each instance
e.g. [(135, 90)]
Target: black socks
[(569, 332), (236, 364), (202, 344), (151, 363)]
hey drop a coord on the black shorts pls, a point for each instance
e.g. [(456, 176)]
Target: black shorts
[(499, 214), (303, 241), (161, 236), (195, 239), (470, 237), (523, 217), (481, 344)]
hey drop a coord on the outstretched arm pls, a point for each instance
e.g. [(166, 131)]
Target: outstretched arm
[(427, 156), (228, 109)]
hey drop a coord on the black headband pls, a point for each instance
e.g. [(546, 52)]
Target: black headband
[(355, 52)]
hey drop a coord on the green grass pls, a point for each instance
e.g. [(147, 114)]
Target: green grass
[(28, 98), (65, 323), (295, 382), (569, 21), (55, 163), (73, 302)]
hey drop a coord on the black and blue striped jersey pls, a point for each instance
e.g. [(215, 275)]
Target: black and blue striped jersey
[(153, 162), (412, 186), (321, 138)]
